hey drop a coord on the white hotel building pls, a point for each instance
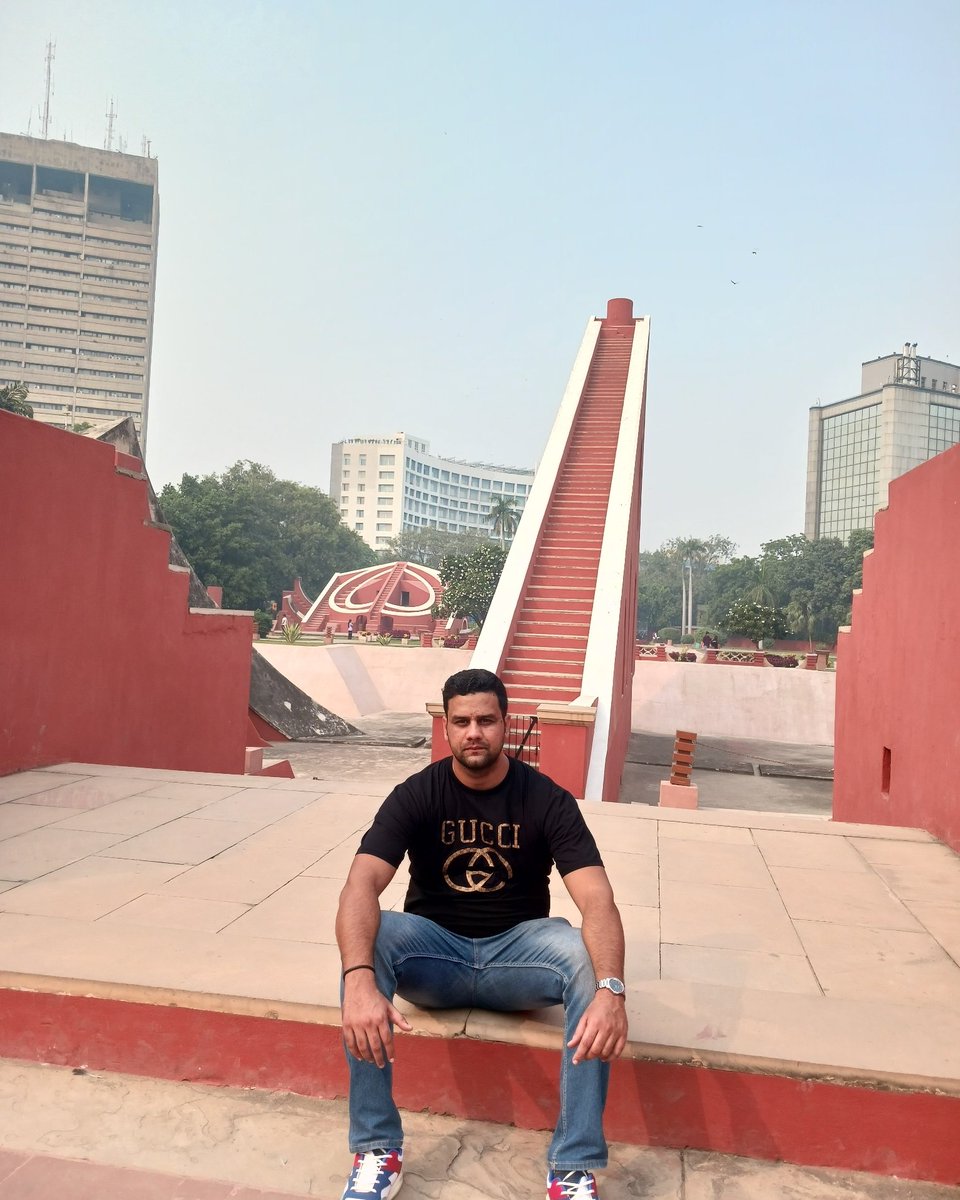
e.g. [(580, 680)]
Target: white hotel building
[(383, 485)]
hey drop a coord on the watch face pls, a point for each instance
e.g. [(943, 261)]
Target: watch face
[(612, 984)]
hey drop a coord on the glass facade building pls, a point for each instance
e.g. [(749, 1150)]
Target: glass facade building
[(908, 411)]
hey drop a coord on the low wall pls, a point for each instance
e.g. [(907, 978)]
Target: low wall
[(770, 703), (356, 680)]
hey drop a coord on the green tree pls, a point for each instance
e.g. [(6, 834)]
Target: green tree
[(755, 621), (254, 534), (658, 601), (425, 544), (858, 543), (469, 582), (693, 558), (503, 517), (13, 398)]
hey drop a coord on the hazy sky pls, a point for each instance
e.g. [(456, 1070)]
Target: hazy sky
[(383, 216)]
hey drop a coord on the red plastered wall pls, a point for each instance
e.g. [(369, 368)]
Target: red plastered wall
[(101, 660), (897, 756)]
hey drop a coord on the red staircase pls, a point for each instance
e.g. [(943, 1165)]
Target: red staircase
[(544, 657), (383, 597)]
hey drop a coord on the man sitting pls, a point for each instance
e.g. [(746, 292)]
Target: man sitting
[(482, 832)]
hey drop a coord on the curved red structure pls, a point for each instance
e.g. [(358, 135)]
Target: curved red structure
[(381, 599)]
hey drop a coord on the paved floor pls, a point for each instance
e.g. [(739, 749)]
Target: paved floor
[(116, 1137), (751, 935)]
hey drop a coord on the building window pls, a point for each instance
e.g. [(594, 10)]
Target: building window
[(943, 430), (386, 474), (848, 472), (388, 460)]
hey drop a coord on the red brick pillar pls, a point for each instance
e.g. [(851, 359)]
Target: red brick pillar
[(711, 655), (566, 738)]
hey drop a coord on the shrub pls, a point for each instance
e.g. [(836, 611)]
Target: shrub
[(670, 634), (454, 643), (291, 632), (401, 633), (384, 639), (263, 621), (782, 660), (687, 639), (683, 656)]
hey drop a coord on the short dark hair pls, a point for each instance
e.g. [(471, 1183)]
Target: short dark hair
[(467, 683)]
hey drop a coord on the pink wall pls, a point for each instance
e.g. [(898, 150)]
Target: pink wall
[(100, 658), (898, 712)]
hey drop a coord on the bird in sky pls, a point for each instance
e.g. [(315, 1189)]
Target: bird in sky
[(753, 251), (734, 282)]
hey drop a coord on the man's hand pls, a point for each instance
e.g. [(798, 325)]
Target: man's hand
[(602, 1030), (367, 1016)]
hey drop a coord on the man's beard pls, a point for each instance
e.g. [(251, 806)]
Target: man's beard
[(475, 762)]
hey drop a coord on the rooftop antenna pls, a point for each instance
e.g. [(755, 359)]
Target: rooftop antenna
[(145, 144), (48, 91), (111, 115)]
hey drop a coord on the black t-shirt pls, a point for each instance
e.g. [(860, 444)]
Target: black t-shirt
[(480, 860)]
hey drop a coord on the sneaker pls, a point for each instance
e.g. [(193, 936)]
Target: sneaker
[(376, 1175), (571, 1185)]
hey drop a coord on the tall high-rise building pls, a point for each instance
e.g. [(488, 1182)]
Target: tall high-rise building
[(908, 410), (78, 249), (383, 485)]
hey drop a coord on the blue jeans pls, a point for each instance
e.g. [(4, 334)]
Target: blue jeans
[(535, 964)]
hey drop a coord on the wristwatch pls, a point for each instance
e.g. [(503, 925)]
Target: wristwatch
[(612, 984)]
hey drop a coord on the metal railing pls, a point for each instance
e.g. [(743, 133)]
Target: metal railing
[(523, 739)]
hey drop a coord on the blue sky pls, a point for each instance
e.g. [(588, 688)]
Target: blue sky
[(388, 216)]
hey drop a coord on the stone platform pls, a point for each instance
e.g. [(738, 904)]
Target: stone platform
[(793, 984)]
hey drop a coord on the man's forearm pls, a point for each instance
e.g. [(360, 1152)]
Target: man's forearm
[(602, 932), (358, 920)]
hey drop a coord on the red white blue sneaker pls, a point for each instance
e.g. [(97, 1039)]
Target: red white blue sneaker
[(571, 1185), (376, 1175)]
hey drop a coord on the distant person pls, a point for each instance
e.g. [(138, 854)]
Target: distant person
[(482, 832), (350, 631)]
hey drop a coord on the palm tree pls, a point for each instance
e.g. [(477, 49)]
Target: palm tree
[(503, 516), (14, 399)]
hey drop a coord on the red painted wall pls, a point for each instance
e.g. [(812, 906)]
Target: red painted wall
[(101, 660), (897, 757)]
